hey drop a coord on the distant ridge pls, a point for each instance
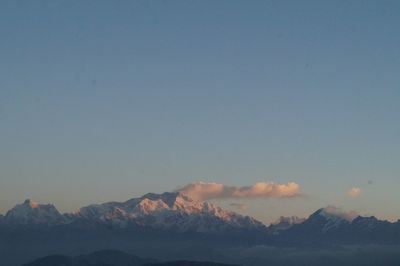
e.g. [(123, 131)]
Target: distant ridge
[(111, 258), (188, 263), (102, 257), (176, 212)]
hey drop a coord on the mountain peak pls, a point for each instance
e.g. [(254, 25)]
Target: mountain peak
[(329, 218), (30, 212), (335, 213), (284, 223), (31, 203), (169, 198), (291, 220)]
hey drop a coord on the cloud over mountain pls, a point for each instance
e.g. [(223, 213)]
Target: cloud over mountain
[(332, 211), (207, 191)]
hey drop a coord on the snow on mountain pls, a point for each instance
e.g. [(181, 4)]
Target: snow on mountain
[(323, 221), (334, 213), (31, 212), (331, 218), (284, 223), (174, 211), (177, 212), (369, 224), (366, 223)]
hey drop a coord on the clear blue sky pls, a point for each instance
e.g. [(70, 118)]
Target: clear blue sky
[(105, 100)]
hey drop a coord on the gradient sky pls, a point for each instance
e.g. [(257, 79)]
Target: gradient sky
[(105, 100)]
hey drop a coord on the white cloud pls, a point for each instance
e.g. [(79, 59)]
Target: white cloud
[(354, 192), (332, 210), (206, 191)]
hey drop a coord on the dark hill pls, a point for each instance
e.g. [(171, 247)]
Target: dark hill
[(111, 258)]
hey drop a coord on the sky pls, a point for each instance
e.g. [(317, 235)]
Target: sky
[(105, 101)]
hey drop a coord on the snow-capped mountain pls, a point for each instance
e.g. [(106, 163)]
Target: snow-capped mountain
[(331, 224), (330, 218), (371, 226), (325, 220), (157, 219), (31, 212), (177, 212), (284, 223), (170, 210)]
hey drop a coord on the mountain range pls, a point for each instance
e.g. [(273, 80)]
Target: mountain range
[(168, 211), (173, 225), (178, 213)]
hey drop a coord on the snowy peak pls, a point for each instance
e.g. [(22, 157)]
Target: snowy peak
[(284, 223), (334, 213), (31, 204), (170, 210), (169, 198), (30, 212), (329, 219)]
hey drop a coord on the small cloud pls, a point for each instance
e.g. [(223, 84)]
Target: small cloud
[(239, 206), (206, 191), (354, 192)]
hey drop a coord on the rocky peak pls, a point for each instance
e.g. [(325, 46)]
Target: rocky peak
[(30, 212)]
